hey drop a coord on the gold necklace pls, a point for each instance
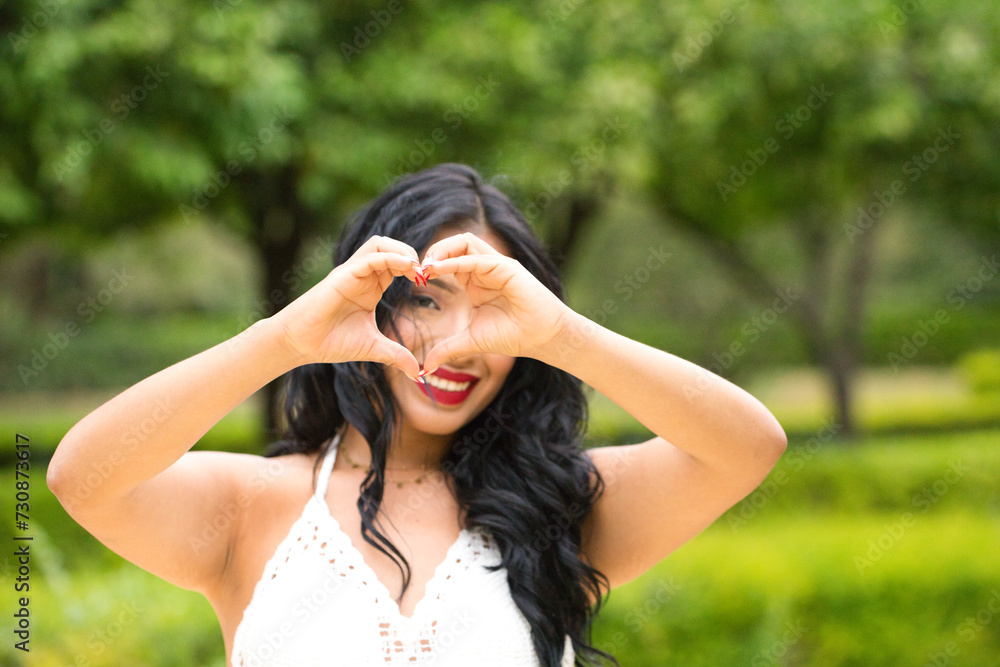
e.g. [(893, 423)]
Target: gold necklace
[(399, 485)]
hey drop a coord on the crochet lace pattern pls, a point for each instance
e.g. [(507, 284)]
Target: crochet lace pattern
[(319, 603)]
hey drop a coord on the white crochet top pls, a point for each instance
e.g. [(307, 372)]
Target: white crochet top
[(318, 603)]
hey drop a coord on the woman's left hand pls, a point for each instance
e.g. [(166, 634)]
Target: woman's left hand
[(513, 313)]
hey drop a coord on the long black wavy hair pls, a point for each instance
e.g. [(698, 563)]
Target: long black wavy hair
[(517, 469)]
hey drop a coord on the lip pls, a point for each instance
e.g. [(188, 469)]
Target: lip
[(454, 376), (445, 397)]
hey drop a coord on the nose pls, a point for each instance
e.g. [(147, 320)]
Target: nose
[(456, 320), (452, 321)]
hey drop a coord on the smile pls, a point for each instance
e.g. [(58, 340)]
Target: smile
[(448, 387)]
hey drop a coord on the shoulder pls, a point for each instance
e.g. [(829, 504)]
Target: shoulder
[(253, 480), (248, 473)]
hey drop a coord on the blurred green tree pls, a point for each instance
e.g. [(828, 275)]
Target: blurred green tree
[(780, 135), (279, 118)]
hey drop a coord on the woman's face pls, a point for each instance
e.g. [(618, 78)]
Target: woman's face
[(463, 387)]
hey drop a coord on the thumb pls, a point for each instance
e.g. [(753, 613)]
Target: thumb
[(391, 353), (453, 347)]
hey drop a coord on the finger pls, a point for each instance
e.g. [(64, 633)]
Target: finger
[(459, 244), (493, 271), (376, 262), (390, 353), (451, 348), (420, 276), (376, 246), (386, 244)]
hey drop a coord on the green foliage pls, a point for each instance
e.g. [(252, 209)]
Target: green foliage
[(979, 410), (981, 369), (108, 353), (888, 332), (140, 114), (118, 616), (876, 554), (891, 474), (789, 592), (760, 130), (913, 400)]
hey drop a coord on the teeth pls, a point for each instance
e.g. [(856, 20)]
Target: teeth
[(445, 385)]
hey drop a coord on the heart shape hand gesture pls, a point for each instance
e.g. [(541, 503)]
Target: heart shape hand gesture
[(512, 312)]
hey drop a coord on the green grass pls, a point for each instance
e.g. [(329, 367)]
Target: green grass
[(118, 616), (912, 399)]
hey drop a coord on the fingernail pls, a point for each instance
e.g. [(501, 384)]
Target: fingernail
[(421, 373)]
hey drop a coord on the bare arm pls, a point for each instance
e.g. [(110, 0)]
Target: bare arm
[(714, 443), (124, 472), (144, 430)]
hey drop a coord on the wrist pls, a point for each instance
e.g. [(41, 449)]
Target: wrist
[(267, 340), (574, 335)]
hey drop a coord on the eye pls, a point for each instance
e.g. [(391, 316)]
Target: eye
[(423, 301)]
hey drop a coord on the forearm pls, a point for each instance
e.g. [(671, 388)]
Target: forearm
[(707, 416), (145, 429)]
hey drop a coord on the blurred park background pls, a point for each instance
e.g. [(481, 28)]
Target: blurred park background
[(800, 196)]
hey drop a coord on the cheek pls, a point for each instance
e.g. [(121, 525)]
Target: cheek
[(500, 366), (410, 333)]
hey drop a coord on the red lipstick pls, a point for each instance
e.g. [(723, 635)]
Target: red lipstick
[(448, 394)]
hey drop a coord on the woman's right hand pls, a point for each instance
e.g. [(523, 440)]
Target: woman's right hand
[(335, 320)]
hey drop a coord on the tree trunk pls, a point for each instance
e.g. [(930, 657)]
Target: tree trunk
[(835, 357), (841, 370), (563, 241), (837, 353), (847, 358), (281, 223), (278, 256)]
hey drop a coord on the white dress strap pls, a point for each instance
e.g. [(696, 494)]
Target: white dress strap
[(326, 469)]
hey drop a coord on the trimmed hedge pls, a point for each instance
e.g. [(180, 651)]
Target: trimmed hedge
[(890, 474), (866, 590)]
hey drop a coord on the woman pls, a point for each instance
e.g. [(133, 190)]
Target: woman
[(435, 386)]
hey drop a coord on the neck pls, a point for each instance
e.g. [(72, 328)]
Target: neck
[(409, 450)]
